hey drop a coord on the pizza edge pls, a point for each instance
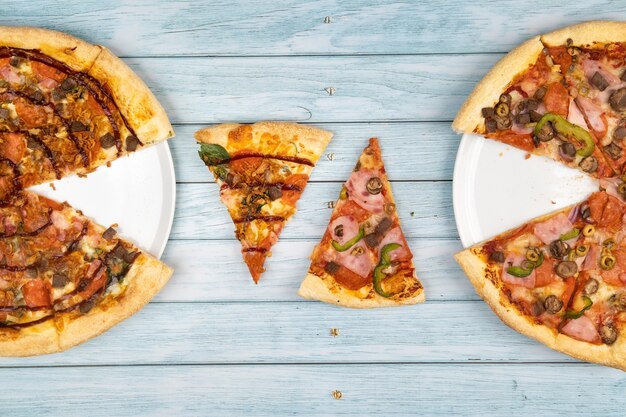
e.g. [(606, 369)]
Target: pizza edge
[(595, 31)]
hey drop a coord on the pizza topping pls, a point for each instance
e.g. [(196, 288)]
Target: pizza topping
[(552, 229), (598, 81), (567, 151), (566, 269), (107, 140), (349, 243), (607, 261), (604, 209), (59, 280), (373, 239), (497, 256), (552, 304), (517, 270), (132, 142), (379, 271), (589, 164), (358, 192), (591, 286), (545, 133), (594, 115), (571, 234), (572, 314), (582, 328), (556, 99), (332, 267), (617, 100), (608, 333), (374, 185), (36, 293), (109, 233), (568, 130)]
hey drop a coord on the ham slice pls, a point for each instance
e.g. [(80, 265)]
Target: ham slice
[(10, 74), (592, 258), (516, 260), (575, 116), (350, 228), (610, 186), (359, 264), (553, 228), (395, 236), (357, 190), (593, 114), (583, 329), (591, 67)]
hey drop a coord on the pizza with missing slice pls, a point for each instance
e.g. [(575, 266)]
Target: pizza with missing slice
[(66, 107), (261, 170), (363, 259), (560, 278)]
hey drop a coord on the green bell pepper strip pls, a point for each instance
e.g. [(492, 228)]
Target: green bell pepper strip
[(342, 248), (540, 260), (570, 234), (385, 261), (518, 271), (565, 128), (570, 314)]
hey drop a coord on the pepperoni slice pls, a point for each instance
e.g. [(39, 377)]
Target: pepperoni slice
[(44, 72), (605, 209), (544, 275), (556, 99), (36, 293), (351, 208), (31, 115), (12, 146), (255, 261), (346, 278), (519, 140), (561, 57), (295, 185)]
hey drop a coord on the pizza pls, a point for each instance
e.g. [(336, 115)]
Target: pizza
[(561, 279), (363, 259), (64, 278), (261, 170), (66, 107)]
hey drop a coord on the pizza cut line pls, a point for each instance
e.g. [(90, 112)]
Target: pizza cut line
[(66, 107), (560, 278)]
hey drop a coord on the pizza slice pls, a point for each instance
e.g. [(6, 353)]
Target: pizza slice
[(65, 279), (363, 259), (524, 102), (592, 58), (261, 170), (67, 107), (561, 279)]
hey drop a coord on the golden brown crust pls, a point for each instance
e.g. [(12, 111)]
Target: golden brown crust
[(486, 93), (317, 288), (134, 99), (310, 141), (588, 33), (474, 267), (144, 280), (29, 341), (75, 53)]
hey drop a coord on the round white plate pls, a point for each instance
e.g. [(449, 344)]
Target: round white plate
[(497, 187), (138, 192)]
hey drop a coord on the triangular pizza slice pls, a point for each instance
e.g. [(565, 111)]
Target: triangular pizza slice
[(363, 259), (524, 101), (561, 279), (262, 170)]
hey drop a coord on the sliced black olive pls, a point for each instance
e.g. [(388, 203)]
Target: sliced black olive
[(374, 185), (502, 109), (68, 84), (491, 125), (497, 256), (77, 126), (532, 104), (274, 192), (559, 249), (131, 143), (107, 140), (109, 233), (617, 100), (567, 151), (589, 164), (546, 133), (537, 308), (552, 304), (591, 286), (566, 269), (331, 267), (339, 230), (535, 116), (505, 98), (540, 93), (59, 280), (619, 133), (487, 112), (609, 334), (599, 82), (613, 150), (522, 106), (522, 119)]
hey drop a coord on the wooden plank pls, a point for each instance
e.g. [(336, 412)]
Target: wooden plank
[(367, 88), (435, 390), (196, 333), (200, 214), (212, 270), (413, 151), (152, 28)]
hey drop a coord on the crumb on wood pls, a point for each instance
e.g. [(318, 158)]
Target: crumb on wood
[(52, 186), (412, 213), (331, 204), (337, 394), (328, 19), (500, 154), (108, 164), (334, 332), (330, 156), (330, 90)]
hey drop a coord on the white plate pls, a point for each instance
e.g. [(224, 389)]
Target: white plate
[(497, 187), (138, 192)]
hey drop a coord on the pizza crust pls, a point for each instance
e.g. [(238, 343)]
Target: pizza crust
[(134, 99), (75, 53), (314, 288), (588, 33), (474, 267), (35, 340), (145, 279), (488, 90), (311, 140)]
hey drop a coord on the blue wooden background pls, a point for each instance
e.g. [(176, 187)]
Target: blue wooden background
[(212, 343)]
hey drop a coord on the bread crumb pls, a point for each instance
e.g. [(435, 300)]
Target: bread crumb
[(527, 156), (552, 202), (337, 394), (334, 332), (52, 186)]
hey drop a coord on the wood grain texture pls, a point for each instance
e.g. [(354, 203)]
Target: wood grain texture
[(175, 28), (437, 389), (200, 214), (417, 151)]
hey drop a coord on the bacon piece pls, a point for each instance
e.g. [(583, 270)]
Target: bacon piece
[(552, 228), (291, 196), (583, 329)]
